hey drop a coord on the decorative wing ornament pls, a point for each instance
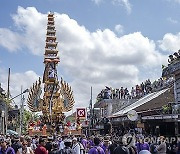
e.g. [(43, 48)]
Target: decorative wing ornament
[(67, 94), (34, 101)]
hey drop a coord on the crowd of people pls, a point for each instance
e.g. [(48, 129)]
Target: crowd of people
[(136, 92), (129, 143)]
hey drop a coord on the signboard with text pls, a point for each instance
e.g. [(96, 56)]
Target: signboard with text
[(81, 113)]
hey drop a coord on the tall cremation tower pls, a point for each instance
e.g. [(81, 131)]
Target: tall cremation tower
[(58, 96)]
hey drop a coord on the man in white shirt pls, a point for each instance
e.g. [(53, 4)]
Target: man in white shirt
[(76, 146), (61, 146)]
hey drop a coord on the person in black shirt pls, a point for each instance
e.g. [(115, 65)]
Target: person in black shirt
[(55, 148), (121, 149), (16, 145), (112, 147), (49, 144)]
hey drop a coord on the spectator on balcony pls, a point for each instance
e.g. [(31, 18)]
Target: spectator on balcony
[(113, 94), (109, 93), (155, 85), (106, 95), (177, 56), (148, 86), (160, 82), (137, 91), (121, 93), (117, 93), (126, 93), (142, 88), (133, 93), (171, 59)]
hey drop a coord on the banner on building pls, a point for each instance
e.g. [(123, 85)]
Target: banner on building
[(81, 113)]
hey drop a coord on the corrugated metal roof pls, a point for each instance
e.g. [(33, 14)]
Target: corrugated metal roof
[(140, 102)]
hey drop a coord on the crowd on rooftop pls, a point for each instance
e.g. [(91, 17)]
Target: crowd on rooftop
[(136, 92)]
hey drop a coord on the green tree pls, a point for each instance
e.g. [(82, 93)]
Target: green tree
[(28, 117)]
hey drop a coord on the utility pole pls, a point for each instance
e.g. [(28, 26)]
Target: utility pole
[(91, 110), (2, 115), (91, 100), (22, 118), (21, 102), (22, 110), (6, 105)]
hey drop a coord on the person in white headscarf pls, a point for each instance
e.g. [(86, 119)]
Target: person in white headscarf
[(75, 147)]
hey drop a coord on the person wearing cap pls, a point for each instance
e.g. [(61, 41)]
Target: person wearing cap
[(41, 148), (76, 147), (96, 149), (4, 149)]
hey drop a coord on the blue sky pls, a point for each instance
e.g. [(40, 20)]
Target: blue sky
[(101, 42), (149, 17)]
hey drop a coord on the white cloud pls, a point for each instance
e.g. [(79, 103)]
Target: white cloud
[(177, 1), (32, 30), (90, 59), (124, 3), (10, 40), (17, 80), (33, 23), (170, 42), (173, 21), (119, 29), (97, 1)]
